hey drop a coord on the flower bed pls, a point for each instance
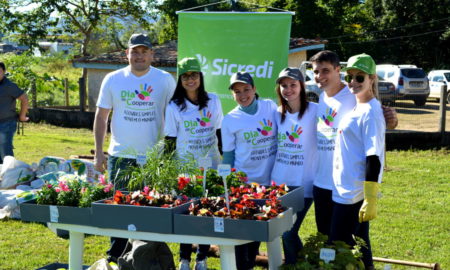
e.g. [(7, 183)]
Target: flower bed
[(146, 211), (246, 219), (287, 195), (67, 201)]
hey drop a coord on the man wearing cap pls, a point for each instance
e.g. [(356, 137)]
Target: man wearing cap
[(334, 103), (137, 95), (9, 92)]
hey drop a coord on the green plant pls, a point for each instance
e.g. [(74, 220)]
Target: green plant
[(193, 186), (160, 171), (347, 258), (71, 190)]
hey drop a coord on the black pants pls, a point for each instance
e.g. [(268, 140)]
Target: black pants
[(246, 255), (323, 206), (186, 251), (345, 224)]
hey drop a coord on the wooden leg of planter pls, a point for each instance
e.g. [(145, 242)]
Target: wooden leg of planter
[(274, 253), (76, 250), (227, 257)]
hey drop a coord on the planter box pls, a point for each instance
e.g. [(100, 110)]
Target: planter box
[(55, 266), (256, 230), (30, 211), (293, 199), (133, 218)]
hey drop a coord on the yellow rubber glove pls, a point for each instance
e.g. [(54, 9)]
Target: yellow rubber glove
[(368, 209)]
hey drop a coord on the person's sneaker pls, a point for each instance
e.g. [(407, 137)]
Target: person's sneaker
[(184, 265), (201, 265)]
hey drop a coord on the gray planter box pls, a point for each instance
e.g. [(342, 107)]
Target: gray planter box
[(255, 230), (132, 217), (294, 199), (55, 266), (30, 211)]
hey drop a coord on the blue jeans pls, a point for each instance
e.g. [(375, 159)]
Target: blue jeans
[(292, 243), (116, 167), (186, 250), (323, 206), (7, 130), (345, 223)]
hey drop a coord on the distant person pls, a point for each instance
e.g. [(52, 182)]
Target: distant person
[(9, 92), (137, 95)]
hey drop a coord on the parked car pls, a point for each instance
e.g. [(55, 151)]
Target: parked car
[(437, 79), (410, 82)]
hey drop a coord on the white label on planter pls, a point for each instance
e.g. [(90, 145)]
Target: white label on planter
[(327, 254), (131, 227), (54, 214), (224, 170), (204, 162), (141, 160), (219, 224)]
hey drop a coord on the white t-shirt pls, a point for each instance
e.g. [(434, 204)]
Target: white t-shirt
[(361, 134), (253, 139), (138, 105), (296, 158), (329, 114), (195, 129)]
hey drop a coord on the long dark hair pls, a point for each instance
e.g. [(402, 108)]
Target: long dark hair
[(180, 96), (285, 106)]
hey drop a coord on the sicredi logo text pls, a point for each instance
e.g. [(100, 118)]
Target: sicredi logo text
[(224, 67)]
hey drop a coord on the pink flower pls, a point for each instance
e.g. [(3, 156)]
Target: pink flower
[(64, 186), (146, 190), (273, 183), (49, 186), (107, 188), (83, 190), (57, 189), (101, 179)]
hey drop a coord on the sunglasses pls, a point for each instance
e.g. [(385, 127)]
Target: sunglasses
[(358, 78), (192, 76)]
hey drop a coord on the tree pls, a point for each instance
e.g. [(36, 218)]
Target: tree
[(36, 19)]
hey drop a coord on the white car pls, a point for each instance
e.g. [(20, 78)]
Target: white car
[(437, 79)]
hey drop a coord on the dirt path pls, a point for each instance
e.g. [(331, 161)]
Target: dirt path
[(423, 118)]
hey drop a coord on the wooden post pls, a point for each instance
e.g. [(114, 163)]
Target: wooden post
[(442, 109), (82, 85), (66, 91), (33, 93)]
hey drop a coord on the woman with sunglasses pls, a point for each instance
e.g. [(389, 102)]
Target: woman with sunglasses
[(358, 158), (192, 127), (295, 162), (249, 144)]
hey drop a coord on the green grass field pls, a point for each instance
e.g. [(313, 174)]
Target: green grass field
[(412, 223)]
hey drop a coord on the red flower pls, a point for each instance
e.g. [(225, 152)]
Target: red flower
[(233, 169)]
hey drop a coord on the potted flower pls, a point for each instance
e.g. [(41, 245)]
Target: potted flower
[(346, 257), (66, 201)]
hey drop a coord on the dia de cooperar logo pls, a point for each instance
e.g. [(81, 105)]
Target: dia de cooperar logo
[(328, 117), (144, 92), (294, 136), (266, 129), (205, 118)]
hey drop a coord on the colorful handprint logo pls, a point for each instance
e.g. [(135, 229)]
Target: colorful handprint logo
[(329, 118), (266, 129), (205, 118), (295, 133), (144, 93)]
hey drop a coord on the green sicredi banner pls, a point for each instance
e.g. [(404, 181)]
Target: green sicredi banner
[(228, 42)]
